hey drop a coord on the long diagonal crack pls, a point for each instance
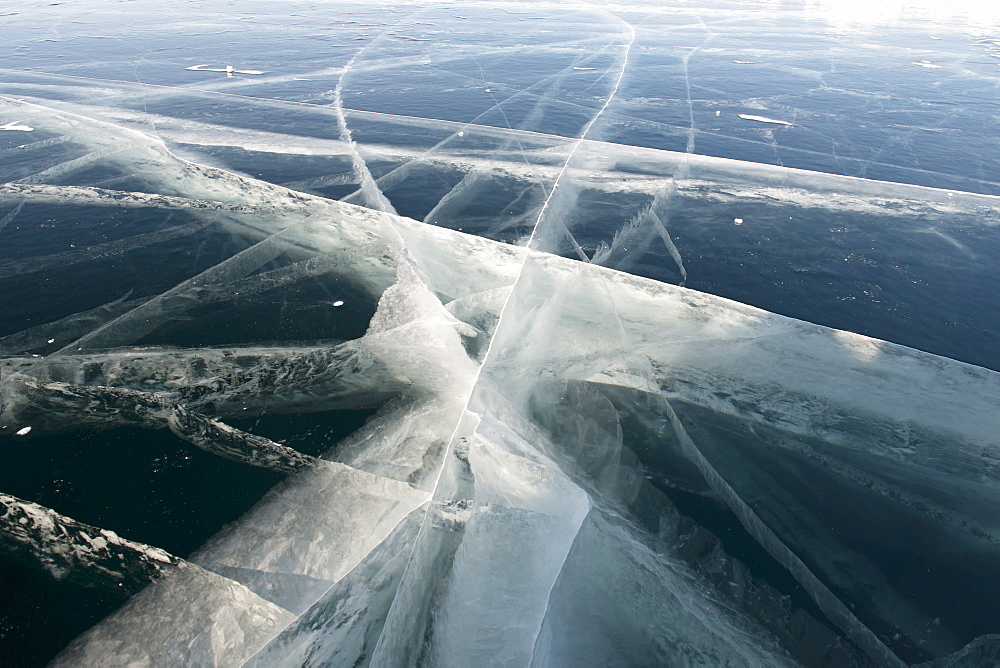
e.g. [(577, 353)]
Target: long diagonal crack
[(504, 319)]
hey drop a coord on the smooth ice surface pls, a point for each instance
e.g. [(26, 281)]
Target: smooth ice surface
[(499, 333)]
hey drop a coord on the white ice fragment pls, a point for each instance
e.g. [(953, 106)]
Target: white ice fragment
[(718, 113), (928, 64), (488, 90), (461, 134), (15, 125), (228, 69), (764, 119), (23, 431), (738, 221), (339, 302), (96, 543), (51, 341), (158, 554)]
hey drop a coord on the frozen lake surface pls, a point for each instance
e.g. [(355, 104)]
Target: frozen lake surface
[(499, 332)]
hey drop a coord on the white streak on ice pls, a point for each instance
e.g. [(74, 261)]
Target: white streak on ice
[(228, 69), (764, 119), (9, 216), (576, 145), (16, 125)]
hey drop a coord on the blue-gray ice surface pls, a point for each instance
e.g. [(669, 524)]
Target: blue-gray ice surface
[(655, 369)]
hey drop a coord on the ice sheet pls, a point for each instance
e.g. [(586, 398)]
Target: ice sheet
[(645, 366)]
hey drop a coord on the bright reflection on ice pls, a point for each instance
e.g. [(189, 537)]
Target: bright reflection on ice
[(865, 348), (858, 14)]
